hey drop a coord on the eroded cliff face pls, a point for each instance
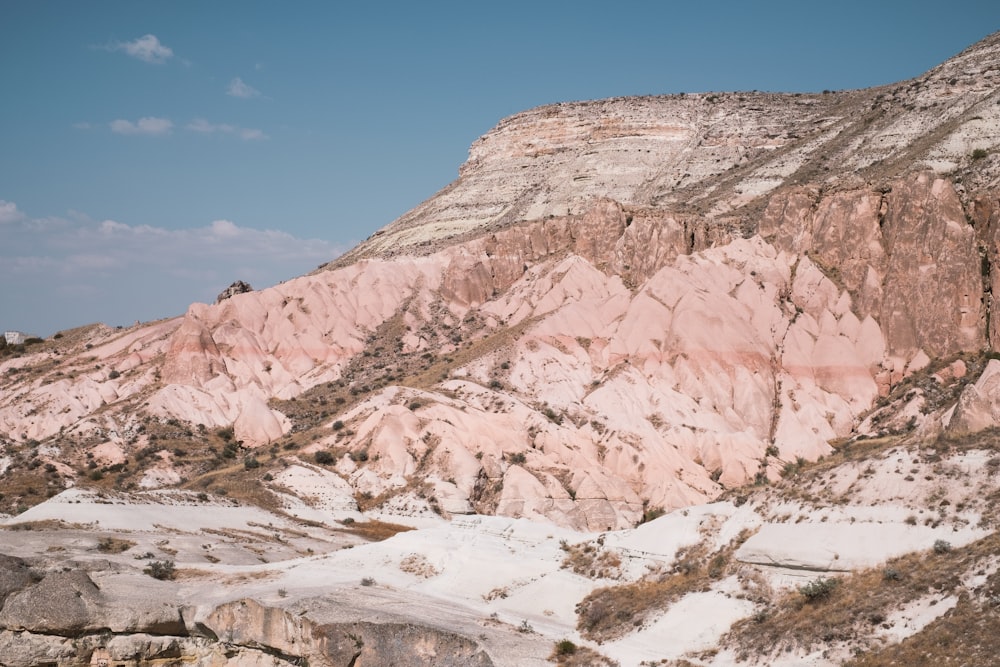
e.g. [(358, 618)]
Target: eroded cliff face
[(239, 633), (618, 305)]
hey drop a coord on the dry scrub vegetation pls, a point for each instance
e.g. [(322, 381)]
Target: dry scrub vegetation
[(590, 560), (851, 611), (568, 654), (610, 612)]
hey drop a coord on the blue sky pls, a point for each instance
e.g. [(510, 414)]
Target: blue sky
[(152, 153)]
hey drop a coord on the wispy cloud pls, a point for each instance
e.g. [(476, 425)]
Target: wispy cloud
[(121, 272), (149, 125), (9, 212), (238, 88), (202, 126), (147, 48)]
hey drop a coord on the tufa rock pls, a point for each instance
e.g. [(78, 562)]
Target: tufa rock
[(238, 287)]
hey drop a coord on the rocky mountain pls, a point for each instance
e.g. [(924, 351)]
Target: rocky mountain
[(766, 317)]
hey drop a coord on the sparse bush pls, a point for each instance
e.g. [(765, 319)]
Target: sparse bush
[(942, 546), (979, 153), (590, 561), (161, 569), (552, 415), (891, 574), (368, 581), (565, 647), (113, 545), (337, 425), (323, 457), (114, 375), (819, 589), (652, 513), (250, 462), (518, 458)]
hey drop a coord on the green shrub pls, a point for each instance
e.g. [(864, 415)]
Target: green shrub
[(819, 589), (324, 457), (161, 569), (565, 647), (979, 153), (942, 546), (652, 513)]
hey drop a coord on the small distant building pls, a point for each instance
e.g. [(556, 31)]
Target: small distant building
[(15, 337)]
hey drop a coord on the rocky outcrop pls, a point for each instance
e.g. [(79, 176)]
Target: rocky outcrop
[(619, 304), (66, 618), (238, 287), (978, 406), (406, 645), (64, 603), (905, 253), (15, 575)]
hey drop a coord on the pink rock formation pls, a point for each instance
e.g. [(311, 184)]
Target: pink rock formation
[(632, 303)]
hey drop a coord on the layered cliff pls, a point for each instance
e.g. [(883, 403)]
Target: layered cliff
[(637, 298), (619, 308)]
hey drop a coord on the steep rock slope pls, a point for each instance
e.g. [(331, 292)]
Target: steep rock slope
[(619, 305), (620, 308)]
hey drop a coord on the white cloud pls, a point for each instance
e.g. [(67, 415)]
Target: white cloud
[(148, 125), (9, 212), (238, 88), (246, 133), (146, 48), (224, 229), (121, 272), (251, 134)]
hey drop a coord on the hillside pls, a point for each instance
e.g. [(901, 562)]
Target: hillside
[(644, 369)]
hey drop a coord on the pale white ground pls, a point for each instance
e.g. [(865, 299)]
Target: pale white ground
[(489, 572)]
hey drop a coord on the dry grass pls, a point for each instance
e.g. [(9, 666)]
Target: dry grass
[(418, 565), (114, 545), (568, 654), (44, 524), (592, 561), (375, 531), (969, 634), (610, 612), (861, 602)]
